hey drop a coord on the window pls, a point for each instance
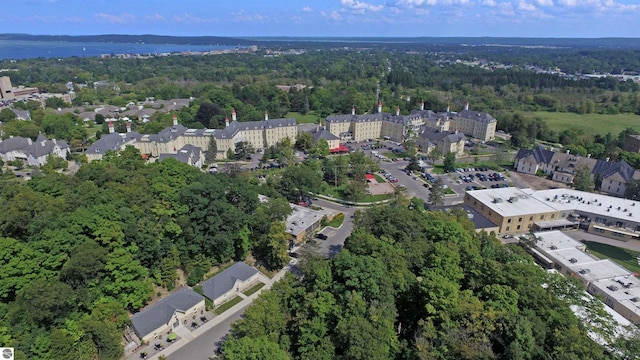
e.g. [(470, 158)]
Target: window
[(519, 219), (598, 230), (508, 221), (518, 228), (530, 218), (553, 216), (507, 229), (617, 234), (541, 217)]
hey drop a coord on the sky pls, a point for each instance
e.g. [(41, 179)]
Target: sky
[(322, 18)]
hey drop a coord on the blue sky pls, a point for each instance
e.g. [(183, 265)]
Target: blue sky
[(518, 18)]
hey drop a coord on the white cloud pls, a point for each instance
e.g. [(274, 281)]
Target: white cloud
[(525, 6), (360, 6), (547, 3), (124, 18), (188, 18), (155, 17), (421, 3), (490, 3), (335, 16), (307, 9)]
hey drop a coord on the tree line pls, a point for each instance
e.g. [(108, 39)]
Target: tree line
[(410, 284)]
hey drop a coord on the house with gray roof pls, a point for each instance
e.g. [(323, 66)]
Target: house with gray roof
[(445, 141), (33, 153), (22, 114), (188, 154), (111, 142), (612, 176), (168, 314), (227, 284), (322, 133)]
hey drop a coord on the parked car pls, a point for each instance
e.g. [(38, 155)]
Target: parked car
[(322, 236)]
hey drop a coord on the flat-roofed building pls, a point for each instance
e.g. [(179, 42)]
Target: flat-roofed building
[(6, 89), (618, 287), (522, 210), (513, 210)]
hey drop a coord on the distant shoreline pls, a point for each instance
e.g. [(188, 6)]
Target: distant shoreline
[(603, 43)]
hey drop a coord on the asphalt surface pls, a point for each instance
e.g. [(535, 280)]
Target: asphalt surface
[(203, 347)]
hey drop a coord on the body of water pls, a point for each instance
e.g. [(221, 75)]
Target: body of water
[(22, 49)]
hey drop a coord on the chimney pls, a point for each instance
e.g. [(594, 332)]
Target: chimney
[(266, 116), (353, 110), (422, 105), (128, 127), (398, 111), (111, 128), (607, 159), (588, 156), (233, 115), (466, 105), (568, 151), (379, 106), (226, 121), (175, 120), (448, 108)]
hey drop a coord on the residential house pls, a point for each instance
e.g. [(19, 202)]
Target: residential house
[(611, 177), (444, 141), (33, 153), (168, 314), (188, 154), (231, 281)]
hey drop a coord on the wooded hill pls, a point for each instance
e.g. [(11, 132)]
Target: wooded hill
[(415, 285)]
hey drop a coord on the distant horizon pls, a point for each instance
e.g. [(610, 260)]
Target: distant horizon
[(322, 37), (329, 18)]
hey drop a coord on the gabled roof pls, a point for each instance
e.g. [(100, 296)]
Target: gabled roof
[(223, 282), (112, 142), (541, 155), (160, 313), (188, 154), (14, 143), (620, 168), (22, 114), (435, 135), (323, 134), (475, 115)]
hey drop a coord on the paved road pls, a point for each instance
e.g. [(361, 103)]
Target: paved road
[(335, 237), (203, 346)]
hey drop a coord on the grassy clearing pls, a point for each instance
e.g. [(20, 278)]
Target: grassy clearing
[(623, 257), (226, 306), (252, 290), (337, 221), (310, 118), (590, 124)]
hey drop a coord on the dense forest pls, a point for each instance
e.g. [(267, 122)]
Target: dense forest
[(81, 252), (425, 287)]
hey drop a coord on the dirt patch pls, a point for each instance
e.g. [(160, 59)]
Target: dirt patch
[(536, 182), (381, 189)]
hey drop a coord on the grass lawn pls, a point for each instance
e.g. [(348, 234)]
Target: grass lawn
[(337, 221), (252, 290), (591, 124), (310, 118), (337, 194), (623, 257), (226, 306), (378, 178), (448, 191)]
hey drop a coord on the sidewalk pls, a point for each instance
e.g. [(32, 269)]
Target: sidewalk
[(247, 300)]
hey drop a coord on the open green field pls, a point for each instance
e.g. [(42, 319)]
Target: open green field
[(310, 118), (623, 257), (591, 124)]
